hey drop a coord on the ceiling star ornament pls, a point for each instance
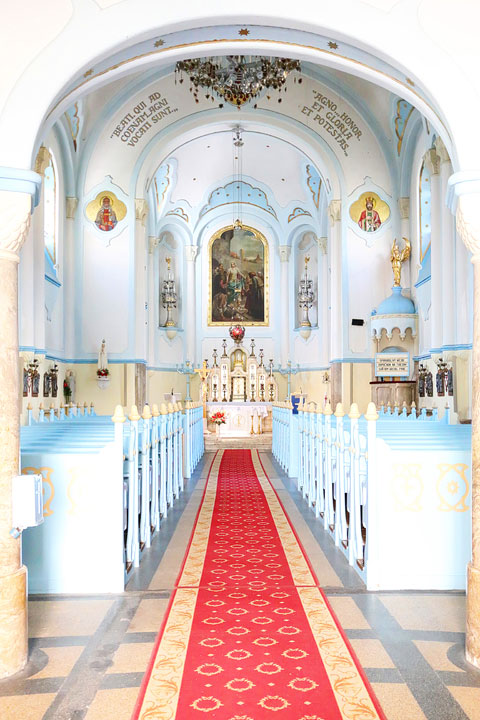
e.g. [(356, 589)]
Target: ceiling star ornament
[(410, 82), (159, 43), (244, 32), (332, 45), (237, 79), (88, 73)]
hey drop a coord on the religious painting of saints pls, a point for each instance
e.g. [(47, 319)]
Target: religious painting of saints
[(106, 211), (369, 212), (238, 277)]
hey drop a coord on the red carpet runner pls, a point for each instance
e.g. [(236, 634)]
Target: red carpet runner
[(249, 634)]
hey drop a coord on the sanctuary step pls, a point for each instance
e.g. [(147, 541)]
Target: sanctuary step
[(215, 442)]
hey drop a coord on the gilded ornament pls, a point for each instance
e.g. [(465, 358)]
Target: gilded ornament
[(397, 258)]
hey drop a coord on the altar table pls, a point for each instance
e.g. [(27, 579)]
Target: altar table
[(243, 418)]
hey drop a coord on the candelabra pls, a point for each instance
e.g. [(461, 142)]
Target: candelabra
[(305, 300), (189, 372), (169, 299)]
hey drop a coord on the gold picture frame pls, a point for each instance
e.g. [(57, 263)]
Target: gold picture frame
[(247, 265)]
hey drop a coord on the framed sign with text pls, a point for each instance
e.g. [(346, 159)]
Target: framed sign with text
[(392, 364)]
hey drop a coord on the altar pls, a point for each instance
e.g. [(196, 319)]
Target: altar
[(242, 419)]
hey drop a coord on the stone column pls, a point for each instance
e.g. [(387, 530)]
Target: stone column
[(336, 304), (468, 227), (15, 220), (448, 248), (432, 161), (141, 290), (153, 243), (191, 252), (284, 252), (41, 163), (322, 300), (404, 210), (70, 319)]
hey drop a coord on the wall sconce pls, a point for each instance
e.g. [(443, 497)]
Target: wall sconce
[(305, 301), (169, 300)]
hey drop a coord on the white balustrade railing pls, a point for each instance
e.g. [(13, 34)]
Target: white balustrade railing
[(381, 484), (331, 467), (158, 447)]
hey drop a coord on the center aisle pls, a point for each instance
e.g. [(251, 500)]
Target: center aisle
[(248, 632)]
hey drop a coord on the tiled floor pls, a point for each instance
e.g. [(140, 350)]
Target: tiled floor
[(88, 654)]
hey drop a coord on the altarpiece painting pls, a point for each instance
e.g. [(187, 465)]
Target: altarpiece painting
[(238, 277)]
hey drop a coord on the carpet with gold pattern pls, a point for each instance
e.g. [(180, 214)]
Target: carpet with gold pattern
[(249, 634)]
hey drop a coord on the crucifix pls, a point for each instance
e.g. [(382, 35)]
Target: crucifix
[(203, 373)]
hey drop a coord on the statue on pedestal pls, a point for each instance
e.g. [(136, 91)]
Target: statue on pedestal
[(397, 258)]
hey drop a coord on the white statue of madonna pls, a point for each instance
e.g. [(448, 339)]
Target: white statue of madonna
[(102, 357)]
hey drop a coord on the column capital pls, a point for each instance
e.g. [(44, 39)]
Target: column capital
[(432, 161), (191, 252), (322, 244), (153, 242), (141, 210), (284, 252), (404, 207), (335, 211), (71, 204), (42, 161), (15, 217), (463, 199), (442, 151), (468, 223)]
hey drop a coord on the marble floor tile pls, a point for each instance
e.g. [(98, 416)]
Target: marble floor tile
[(435, 653), (427, 612), (60, 661), (348, 613), (131, 657), (371, 653), (115, 704), (397, 702), (48, 618), (25, 707), (469, 699), (149, 615)]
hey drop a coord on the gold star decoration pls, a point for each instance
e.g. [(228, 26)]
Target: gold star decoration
[(244, 32), (332, 45), (410, 82), (89, 72), (159, 43)]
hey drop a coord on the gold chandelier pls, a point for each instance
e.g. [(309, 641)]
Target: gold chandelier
[(236, 78)]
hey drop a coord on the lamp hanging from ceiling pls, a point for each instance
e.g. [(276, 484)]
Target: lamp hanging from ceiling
[(236, 78), (237, 179)]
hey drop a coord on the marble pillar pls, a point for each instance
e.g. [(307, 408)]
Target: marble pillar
[(432, 161), (468, 227), (448, 249), (322, 300), (336, 301), (404, 210), (69, 265), (191, 252), (15, 210), (284, 251), (141, 280)]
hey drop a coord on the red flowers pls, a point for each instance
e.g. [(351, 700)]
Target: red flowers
[(218, 418), (103, 373)]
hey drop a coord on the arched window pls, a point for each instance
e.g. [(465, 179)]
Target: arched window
[(425, 210), (50, 216)]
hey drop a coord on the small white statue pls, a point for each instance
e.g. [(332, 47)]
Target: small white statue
[(102, 357)]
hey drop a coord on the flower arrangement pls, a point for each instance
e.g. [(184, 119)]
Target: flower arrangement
[(218, 418), (103, 373)]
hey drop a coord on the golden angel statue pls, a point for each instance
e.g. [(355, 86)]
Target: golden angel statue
[(397, 258)]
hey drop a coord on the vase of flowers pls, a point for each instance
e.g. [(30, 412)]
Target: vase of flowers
[(103, 378), (219, 419)]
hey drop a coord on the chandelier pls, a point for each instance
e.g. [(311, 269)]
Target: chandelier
[(236, 78)]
